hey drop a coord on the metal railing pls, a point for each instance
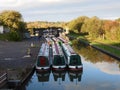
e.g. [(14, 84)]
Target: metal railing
[(3, 79)]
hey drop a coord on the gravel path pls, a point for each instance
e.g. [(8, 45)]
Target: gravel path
[(14, 54)]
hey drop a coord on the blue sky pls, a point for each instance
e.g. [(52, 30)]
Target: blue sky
[(62, 10)]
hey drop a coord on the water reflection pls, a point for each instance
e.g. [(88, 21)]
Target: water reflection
[(75, 76), (100, 72), (102, 61), (109, 68), (59, 76), (43, 76)]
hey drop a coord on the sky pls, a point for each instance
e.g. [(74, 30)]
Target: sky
[(62, 10)]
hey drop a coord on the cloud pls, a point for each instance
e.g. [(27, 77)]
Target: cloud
[(13, 3), (9, 3), (65, 8), (109, 68)]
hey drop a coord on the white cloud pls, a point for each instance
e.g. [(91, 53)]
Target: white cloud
[(72, 8), (9, 3), (109, 68)]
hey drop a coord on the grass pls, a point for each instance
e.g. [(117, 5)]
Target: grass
[(109, 49), (109, 42), (104, 47), (86, 37), (75, 35)]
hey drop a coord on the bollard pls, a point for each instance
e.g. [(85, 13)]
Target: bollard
[(32, 45)]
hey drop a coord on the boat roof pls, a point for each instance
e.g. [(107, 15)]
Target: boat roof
[(68, 49), (48, 39), (44, 50), (56, 49), (63, 40), (55, 39)]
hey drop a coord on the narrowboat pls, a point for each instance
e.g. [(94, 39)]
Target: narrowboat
[(58, 57), (43, 62), (73, 59)]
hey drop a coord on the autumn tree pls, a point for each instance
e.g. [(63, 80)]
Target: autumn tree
[(93, 27), (13, 20), (112, 31), (76, 24)]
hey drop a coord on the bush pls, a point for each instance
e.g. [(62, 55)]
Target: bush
[(14, 36), (11, 36), (3, 37)]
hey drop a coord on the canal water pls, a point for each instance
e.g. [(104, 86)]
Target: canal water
[(100, 72)]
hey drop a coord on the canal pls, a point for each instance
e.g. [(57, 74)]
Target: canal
[(100, 72)]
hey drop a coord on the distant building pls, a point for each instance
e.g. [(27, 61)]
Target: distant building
[(3, 29)]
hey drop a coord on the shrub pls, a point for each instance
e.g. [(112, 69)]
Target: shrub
[(11, 36), (14, 36)]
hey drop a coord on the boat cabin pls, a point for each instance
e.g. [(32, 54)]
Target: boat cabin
[(43, 57), (58, 57)]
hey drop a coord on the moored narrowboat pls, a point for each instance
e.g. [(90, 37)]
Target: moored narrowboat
[(43, 62), (73, 59), (58, 57)]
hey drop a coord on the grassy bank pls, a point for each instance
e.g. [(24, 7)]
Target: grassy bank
[(108, 45), (108, 48)]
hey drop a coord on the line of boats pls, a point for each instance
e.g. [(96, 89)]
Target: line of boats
[(57, 54)]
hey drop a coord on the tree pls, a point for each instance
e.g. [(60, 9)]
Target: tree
[(112, 31), (93, 27), (76, 24), (118, 20), (13, 20)]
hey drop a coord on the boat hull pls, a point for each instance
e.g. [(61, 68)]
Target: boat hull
[(42, 68), (75, 68), (59, 67)]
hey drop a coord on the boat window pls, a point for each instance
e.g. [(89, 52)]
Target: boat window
[(42, 61), (75, 60), (59, 60)]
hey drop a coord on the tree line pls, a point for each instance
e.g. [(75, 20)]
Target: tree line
[(44, 24), (14, 22), (96, 28)]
